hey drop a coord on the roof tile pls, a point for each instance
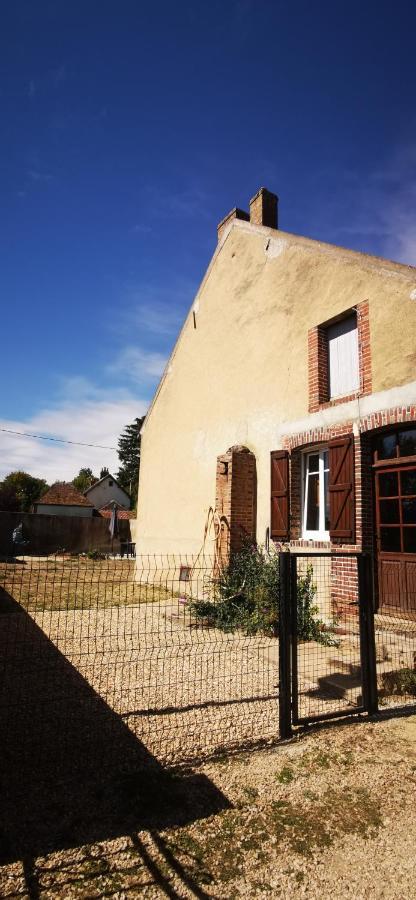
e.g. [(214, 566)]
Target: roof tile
[(63, 493)]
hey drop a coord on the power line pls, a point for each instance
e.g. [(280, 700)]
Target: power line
[(42, 437)]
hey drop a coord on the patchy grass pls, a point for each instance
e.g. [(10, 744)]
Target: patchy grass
[(345, 834), (218, 853), (286, 775), (80, 583)]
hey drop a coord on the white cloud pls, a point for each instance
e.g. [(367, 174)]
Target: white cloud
[(379, 208), (157, 309), (191, 202), (156, 317), (35, 175), (139, 365), (86, 414)]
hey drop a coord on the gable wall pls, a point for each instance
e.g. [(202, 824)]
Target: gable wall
[(241, 377), (102, 493)]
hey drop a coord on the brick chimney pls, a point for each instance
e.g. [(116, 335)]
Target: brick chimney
[(234, 214), (263, 208)]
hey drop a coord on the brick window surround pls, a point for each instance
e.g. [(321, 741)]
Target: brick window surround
[(318, 374)]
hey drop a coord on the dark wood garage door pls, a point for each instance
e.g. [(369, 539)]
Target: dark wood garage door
[(395, 485)]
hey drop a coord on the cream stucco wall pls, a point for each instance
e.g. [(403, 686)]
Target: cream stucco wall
[(241, 375)]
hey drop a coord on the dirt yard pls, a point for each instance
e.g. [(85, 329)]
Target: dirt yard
[(329, 815)]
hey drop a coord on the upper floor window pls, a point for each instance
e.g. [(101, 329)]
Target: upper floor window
[(339, 358), (343, 357)]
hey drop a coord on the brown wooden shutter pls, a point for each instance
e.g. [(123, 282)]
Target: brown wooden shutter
[(280, 495), (341, 490)]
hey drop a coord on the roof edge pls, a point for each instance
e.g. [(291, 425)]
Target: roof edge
[(405, 269)]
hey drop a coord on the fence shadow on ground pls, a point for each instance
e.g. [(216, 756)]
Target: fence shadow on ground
[(71, 772)]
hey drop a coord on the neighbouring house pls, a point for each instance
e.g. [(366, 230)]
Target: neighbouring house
[(62, 499), (289, 406), (108, 490)]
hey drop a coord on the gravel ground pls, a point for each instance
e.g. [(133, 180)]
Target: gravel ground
[(329, 815), (95, 701)]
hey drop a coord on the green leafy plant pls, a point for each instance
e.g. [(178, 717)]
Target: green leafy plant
[(402, 681), (96, 554), (246, 597)]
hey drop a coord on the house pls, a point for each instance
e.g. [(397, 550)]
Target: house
[(62, 499), (289, 406), (108, 490)]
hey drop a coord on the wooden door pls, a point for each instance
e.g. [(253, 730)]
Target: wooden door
[(396, 538)]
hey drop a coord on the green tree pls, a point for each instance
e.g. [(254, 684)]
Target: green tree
[(20, 491), (129, 456), (9, 500), (84, 480), (104, 471)]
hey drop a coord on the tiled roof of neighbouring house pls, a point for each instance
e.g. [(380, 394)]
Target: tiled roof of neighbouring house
[(121, 513), (64, 494)]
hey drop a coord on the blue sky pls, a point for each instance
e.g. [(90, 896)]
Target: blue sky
[(128, 130)]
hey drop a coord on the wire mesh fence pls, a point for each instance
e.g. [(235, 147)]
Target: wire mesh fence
[(345, 658), (107, 661), (94, 652), (327, 669), (395, 643)]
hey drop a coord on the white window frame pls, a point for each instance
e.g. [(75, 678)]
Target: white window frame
[(321, 534)]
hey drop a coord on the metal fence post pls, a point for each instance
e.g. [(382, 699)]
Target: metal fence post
[(367, 636), (285, 705)]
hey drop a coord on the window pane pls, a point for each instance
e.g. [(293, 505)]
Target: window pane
[(313, 462), (326, 499), (408, 482), (386, 446), (390, 540), (388, 484), (312, 512), (409, 511), (409, 540), (389, 512), (407, 442)]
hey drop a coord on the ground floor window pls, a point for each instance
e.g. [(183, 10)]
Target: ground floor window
[(316, 495)]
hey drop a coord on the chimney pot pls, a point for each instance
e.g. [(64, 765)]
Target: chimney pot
[(263, 208)]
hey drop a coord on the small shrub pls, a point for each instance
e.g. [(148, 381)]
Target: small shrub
[(309, 627), (246, 594), (246, 598), (96, 554), (403, 681)]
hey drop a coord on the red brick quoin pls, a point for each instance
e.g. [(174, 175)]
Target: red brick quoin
[(236, 498)]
